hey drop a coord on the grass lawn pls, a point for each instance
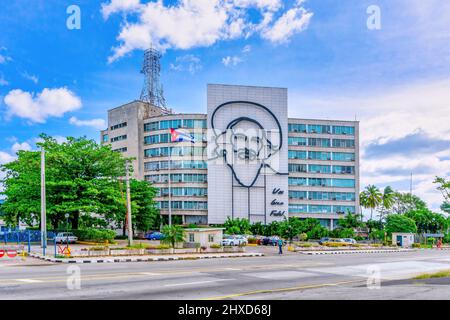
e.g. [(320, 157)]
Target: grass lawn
[(440, 274)]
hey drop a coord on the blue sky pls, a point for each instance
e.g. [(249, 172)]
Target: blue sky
[(395, 80)]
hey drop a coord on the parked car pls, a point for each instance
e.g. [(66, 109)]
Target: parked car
[(154, 236), (241, 240), (270, 241), (65, 237), (350, 240), (229, 241), (323, 240)]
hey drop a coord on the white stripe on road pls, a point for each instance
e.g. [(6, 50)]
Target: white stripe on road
[(232, 269), (197, 282), (29, 280), (150, 274)]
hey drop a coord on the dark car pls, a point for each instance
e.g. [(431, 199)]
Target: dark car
[(154, 236), (270, 241), (323, 240)]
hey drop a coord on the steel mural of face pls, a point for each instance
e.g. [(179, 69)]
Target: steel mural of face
[(245, 145)]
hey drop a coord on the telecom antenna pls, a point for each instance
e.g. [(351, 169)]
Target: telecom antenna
[(152, 92)]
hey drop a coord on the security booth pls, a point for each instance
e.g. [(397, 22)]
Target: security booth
[(403, 239), (204, 236)]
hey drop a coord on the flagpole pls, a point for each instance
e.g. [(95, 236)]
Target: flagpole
[(170, 187)]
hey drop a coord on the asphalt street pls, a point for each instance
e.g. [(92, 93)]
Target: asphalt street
[(291, 276)]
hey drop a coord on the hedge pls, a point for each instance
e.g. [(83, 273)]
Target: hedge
[(96, 235)]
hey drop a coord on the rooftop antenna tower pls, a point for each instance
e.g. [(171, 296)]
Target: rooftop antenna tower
[(152, 92)]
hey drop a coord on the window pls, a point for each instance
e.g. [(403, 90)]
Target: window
[(344, 169), (344, 130), (151, 139), (297, 194), (293, 167), (194, 123), (319, 142), (210, 237), (118, 126), (293, 181), (319, 209), (151, 166), (170, 124), (195, 177), (191, 237), (296, 154), (297, 127), (344, 183), (319, 182), (152, 126), (318, 128), (317, 168), (343, 209), (343, 143), (155, 152), (119, 138), (121, 149), (105, 138), (297, 141), (319, 155), (298, 208), (343, 156)]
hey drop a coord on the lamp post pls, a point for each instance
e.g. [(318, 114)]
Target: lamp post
[(67, 227), (130, 225), (43, 203)]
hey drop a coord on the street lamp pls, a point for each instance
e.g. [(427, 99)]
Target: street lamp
[(67, 227)]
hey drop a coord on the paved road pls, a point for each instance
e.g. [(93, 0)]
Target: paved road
[(293, 276)]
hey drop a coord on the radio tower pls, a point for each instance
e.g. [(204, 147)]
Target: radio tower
[(152, 92)]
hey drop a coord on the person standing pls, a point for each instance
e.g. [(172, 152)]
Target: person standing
[(280, 246)]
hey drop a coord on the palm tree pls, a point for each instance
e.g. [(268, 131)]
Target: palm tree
[(173, 234), (371, 198), (388, 200)]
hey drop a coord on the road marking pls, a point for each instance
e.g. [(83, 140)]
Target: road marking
[(283, 289), (29, 280), (197, 282), (150, 274), (232, 269)]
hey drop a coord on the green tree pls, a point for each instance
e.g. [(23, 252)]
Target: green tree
[(371, 198), (404, 202), (81, 180), (172, 235), (237, 226), (387, 201), (145, 214), (444, 187), (400, 223), (350, 221), (290, 228), (428, 221), (257, 228)]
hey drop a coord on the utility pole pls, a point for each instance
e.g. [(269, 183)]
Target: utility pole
[(130, 225), (43, 203), (410, 193)]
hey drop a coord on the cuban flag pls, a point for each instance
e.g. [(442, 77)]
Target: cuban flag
[(181, 136)]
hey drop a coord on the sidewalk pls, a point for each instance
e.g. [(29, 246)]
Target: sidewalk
[(113, 259)]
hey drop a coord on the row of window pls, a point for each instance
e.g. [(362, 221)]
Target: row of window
[(119, 138), (164, 165), (312, 208), (177, 177), (183, 192), (125, 149), (165, 138), (184, 205), (322, 129), (317, 168), (321, 142), (320, 195), (175, 124), (118, 126), (321, 155), (175, 151), (322, 182)]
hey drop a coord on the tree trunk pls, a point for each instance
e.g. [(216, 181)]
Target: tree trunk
[(75, 220)]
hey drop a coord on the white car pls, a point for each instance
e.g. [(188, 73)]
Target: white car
[(234, 241), (65, 237)]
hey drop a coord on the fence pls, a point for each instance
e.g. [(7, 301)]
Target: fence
[(26, 239)]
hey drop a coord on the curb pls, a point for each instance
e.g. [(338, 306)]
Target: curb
[(142, 259), (353, 252)]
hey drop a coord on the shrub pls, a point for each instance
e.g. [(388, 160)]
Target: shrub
[(416, 245), (302, 237), (303, 245), (98, 248), (215, 246), (431, 240), (446, 238), (96, 235), (251, 240), (335, 244)]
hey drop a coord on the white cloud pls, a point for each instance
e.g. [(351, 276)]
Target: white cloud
[(119, 5), (4, 59), (189, 63), (247, 49), (94, 123), (5, 157), (231, 61), (39, 107), (293, 21), (30, 77), (20, 146), (194, 23)]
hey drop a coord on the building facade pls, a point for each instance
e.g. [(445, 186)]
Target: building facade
[(249, 160)]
